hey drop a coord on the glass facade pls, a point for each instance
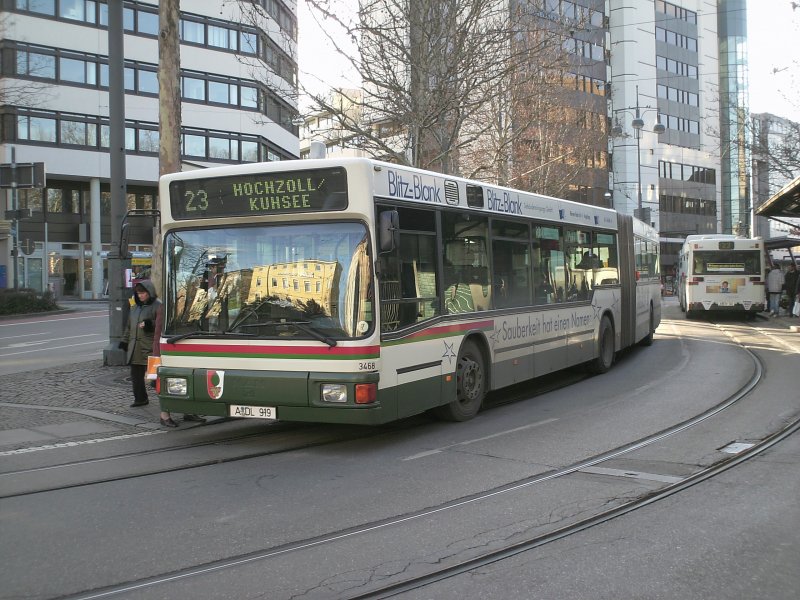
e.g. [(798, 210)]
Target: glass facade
[(734, 110)]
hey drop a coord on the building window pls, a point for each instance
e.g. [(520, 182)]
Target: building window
[(37, 129), (34, 64), (148, 82), (142, 78), (76, 10), (148, 140), (223, 93), (193, 32), (77, 71), (194, 145), (44, 7), (77, 133), (193, 89), (221, 37), (82, 130), (220, 148)]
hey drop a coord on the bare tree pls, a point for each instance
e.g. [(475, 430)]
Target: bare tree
[(467, 87), (430, 71)]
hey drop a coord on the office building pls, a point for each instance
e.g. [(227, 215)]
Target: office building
[(664, 72), (238, 87), (775, 160)]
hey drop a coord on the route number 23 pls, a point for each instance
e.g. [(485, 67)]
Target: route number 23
[(196, 200)]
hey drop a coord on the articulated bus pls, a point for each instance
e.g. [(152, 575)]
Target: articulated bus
[(722, 273), (357, 291)]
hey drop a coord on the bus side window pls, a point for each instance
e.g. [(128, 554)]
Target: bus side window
[(408, 281), (466, 281)]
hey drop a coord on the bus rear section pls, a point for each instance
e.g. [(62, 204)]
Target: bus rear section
[(722, 274)]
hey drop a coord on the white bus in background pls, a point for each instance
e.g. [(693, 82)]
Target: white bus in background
[(722, 273)]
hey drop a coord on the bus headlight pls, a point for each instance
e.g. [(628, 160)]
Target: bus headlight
[(177, 386), (333, 392)]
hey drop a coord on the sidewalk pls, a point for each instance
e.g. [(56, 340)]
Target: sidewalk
[(75, 403), (84, 402)]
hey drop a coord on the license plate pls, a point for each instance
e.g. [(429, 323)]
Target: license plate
[(252, 412)]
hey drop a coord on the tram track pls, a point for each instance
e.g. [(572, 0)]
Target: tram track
[(534, 541), (302, 444), (575, 528), (517, 394)]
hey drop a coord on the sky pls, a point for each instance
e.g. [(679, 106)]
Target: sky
[(773, 31)]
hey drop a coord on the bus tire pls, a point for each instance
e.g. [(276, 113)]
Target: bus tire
[(605, 348), (648, 339), (470, 385)]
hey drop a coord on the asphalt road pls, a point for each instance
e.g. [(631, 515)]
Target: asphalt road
[(398, 500), (37, 342)]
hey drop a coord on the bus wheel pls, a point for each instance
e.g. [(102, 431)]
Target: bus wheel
[(470, 386), (648, 339), (605, 348)]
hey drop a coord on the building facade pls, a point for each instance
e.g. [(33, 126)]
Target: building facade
[(238, 88), (664, 73), (775, 164)]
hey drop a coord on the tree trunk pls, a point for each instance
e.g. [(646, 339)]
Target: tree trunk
[(169, 109)]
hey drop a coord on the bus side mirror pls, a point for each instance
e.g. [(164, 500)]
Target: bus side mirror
[(388, 231)]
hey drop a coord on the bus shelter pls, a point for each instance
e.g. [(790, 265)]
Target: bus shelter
[(785, 204)]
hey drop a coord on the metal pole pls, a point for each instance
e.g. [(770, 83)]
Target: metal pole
[(118, 306), (15, 207), (639, 168)]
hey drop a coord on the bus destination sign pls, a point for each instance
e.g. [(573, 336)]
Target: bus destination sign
[(259, 194)]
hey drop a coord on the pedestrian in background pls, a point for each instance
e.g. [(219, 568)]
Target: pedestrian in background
[(775, 283), (137, 339), (790, 283)]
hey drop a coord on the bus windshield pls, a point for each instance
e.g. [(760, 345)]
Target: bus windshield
[(305, 281), (727, 262)]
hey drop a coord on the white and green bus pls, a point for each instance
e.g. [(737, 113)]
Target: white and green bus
[(722, 273), (357, 291)]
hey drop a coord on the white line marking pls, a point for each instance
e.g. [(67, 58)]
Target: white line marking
[(54, 348), (13, 337), (40, 342), (482, 439), (98, 315), (80, 443)]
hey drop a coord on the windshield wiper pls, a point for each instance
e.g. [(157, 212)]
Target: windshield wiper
[(201, 333), (301, 325)]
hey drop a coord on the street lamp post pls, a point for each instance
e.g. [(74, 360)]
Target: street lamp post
[(638, 124)]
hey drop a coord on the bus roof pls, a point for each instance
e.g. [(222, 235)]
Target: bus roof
[(399, 182)]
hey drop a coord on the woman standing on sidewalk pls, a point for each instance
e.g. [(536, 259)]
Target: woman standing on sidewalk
[(137, 340), (165, 417)]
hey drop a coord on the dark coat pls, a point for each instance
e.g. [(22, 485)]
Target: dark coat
[(140, 339), (791, 282)]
